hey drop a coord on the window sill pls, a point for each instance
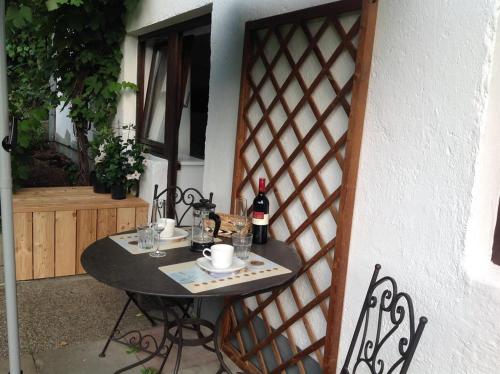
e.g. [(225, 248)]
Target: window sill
[(186, 160), (483, 271)]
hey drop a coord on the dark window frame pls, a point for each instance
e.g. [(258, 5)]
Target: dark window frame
[(170, 38)]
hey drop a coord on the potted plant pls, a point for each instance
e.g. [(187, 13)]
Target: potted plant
[(97, 150), (119, 162)]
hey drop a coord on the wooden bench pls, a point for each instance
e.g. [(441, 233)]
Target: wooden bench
[(54, 225)]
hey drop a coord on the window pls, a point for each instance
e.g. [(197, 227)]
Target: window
[(496, 240), (173, 73)]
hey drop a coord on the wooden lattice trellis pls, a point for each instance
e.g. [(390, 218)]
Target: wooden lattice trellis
[(294, 128)]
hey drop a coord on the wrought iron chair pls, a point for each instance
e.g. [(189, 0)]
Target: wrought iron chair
[(175, 203), (147, 305), (394, 320)]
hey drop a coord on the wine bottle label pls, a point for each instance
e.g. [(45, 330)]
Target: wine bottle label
[(260, 218)]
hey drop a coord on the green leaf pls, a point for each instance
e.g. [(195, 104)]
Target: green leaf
[(132, 350), (26, 13), (52, 5)]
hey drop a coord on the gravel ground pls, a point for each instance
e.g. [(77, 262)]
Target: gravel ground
[(59, 312)]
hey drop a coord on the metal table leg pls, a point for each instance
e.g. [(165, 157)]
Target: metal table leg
[(142, 340), (223, 367), (115, 328)]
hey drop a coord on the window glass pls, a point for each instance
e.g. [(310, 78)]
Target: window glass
[(156, 95)]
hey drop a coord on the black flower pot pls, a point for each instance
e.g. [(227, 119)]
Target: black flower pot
[(118, 192), (101, 187)]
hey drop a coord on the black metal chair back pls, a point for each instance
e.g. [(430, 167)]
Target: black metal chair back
[(173, 202), (394, 319)]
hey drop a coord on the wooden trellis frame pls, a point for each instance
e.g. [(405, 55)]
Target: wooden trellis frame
[(331, 250)]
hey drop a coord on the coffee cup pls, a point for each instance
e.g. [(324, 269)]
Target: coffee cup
[(169, 225), (221, 255)]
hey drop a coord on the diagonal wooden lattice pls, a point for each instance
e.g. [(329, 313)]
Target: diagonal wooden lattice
[(297, 78)]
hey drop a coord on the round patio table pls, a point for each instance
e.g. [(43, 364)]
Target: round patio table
[(109, 263)]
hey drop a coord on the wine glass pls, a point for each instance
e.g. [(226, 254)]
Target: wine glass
[(240, 212), (158, 227), (158, 209)]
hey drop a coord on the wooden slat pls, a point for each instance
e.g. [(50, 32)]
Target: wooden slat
[(43, 244), (86, 224), (106, 222), (65, 243), (306, 14), (125, 219), (265, 89), (349, 179), (241, 129), (23, 237), (141, 216), (68, 198), (289, 322)]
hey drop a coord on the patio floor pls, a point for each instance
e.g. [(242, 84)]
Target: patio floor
[(63, 325)]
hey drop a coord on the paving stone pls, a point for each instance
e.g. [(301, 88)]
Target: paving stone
[(84, 359), (27, 365), (65, 311), (196, 358)]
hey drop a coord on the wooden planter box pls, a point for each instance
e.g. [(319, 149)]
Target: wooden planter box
[(53, 226)]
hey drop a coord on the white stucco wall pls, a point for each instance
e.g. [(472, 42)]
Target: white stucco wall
[(429, 162), (64, 132), (424, 200)]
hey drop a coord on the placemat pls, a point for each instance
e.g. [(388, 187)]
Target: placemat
[(195, 279), (130, 243)]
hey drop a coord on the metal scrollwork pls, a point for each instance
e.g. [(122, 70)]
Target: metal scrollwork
[(135, 339), (174, 197), (386, 315)]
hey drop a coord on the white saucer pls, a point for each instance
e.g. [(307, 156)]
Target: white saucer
[(178, 234), (206, 264)]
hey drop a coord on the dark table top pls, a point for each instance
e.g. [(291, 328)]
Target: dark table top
[(113, 265)]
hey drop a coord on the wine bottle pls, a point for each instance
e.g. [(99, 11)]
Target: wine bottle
[(260, 214)]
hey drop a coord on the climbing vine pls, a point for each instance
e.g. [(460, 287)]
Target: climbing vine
[(29, 66), (76, 45)]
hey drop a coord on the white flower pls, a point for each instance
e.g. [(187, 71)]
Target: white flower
[(134, 176), (100, 158), (131, 161)]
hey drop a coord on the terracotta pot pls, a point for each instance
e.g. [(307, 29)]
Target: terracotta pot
[(118, 192)]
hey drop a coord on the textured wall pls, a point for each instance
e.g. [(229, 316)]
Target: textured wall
[(420, 176), (429, 163)]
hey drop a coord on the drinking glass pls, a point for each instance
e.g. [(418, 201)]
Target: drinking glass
[(146, 237), (242, 243), (240, 212), (157, 228)]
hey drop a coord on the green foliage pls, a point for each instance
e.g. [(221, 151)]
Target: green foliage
[(132, 350), (118, 160), (19, 16), (87, 53), (28, 50), (75, 44), (149, 371)]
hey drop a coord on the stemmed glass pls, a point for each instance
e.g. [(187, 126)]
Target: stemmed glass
[(158, 225), (240, 212)]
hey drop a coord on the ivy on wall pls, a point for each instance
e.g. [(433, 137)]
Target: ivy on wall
[(29, 67), (76, 45)]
